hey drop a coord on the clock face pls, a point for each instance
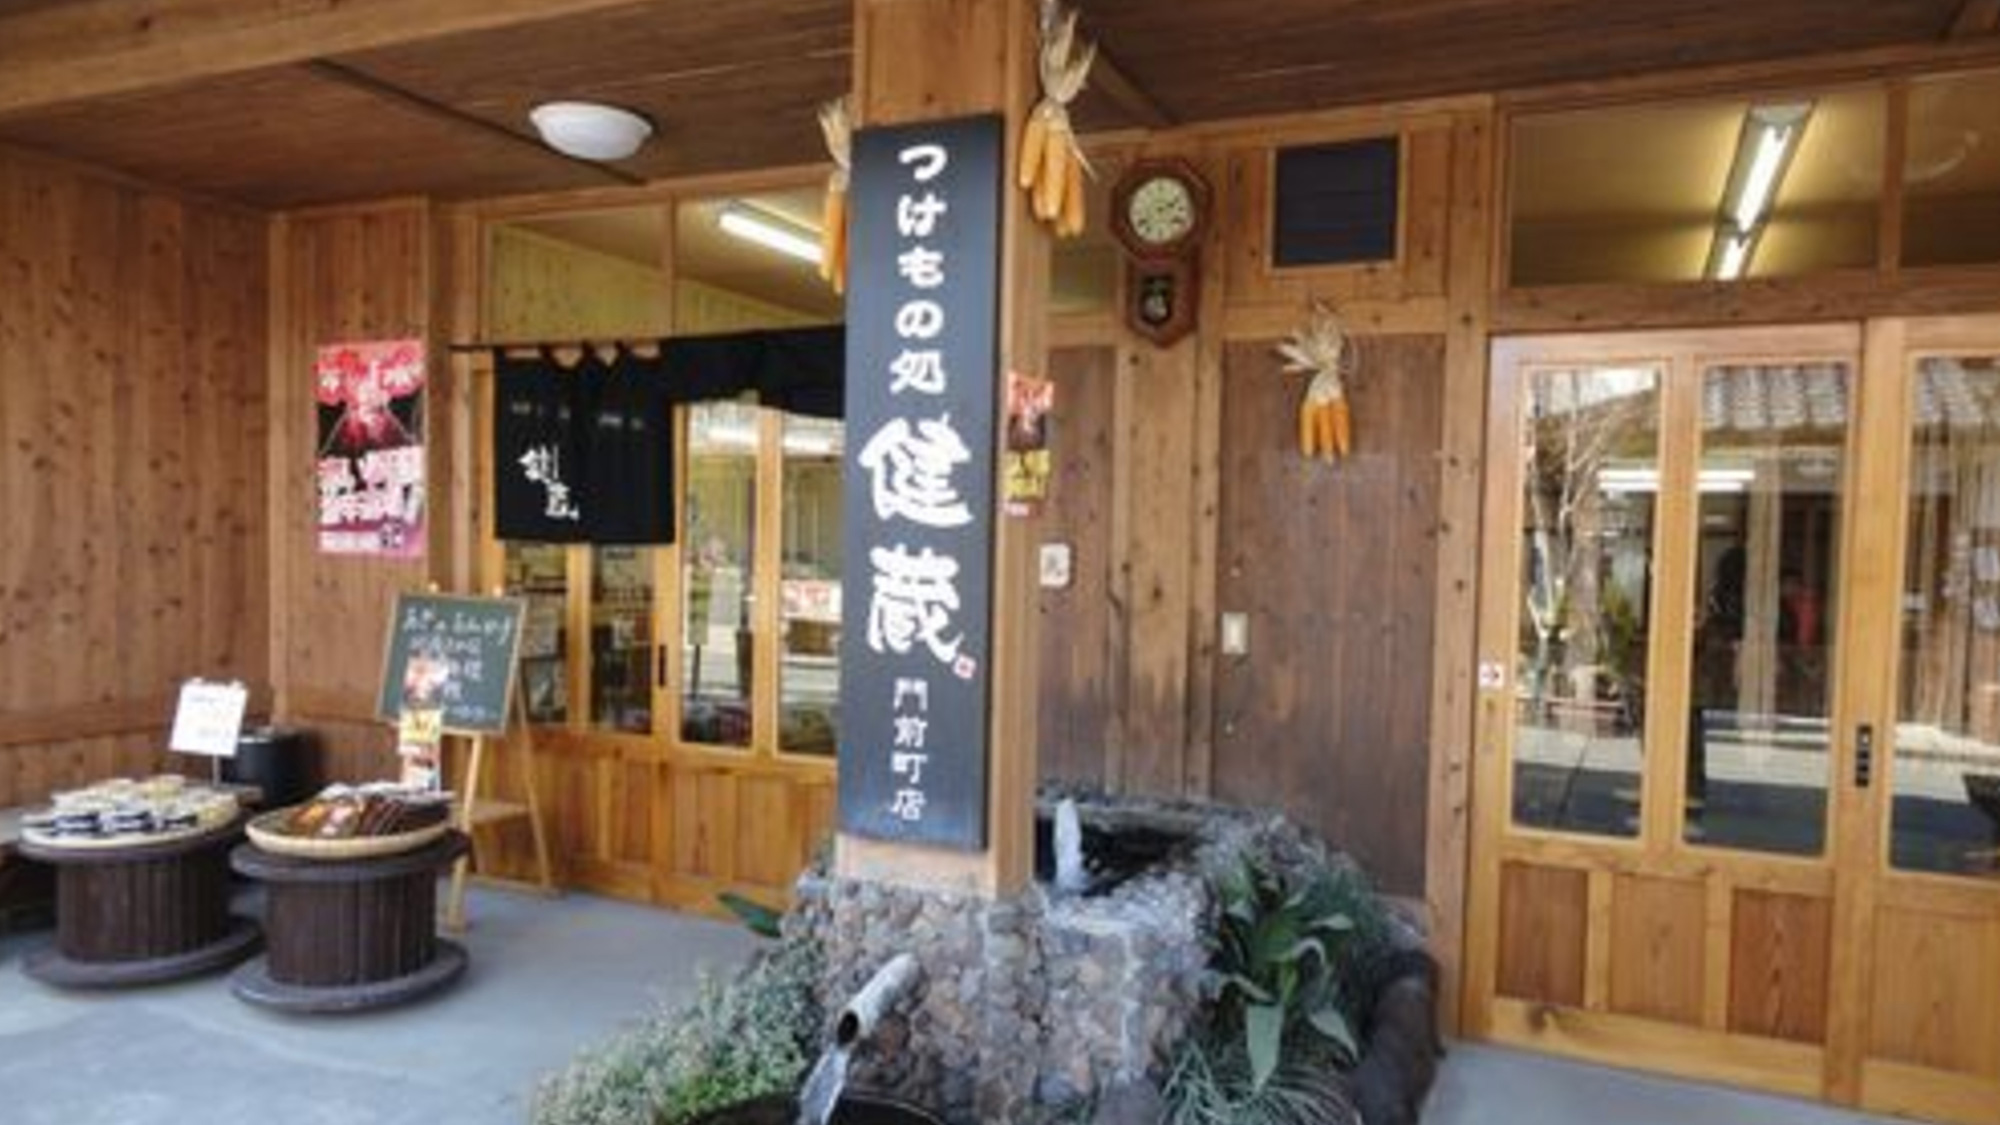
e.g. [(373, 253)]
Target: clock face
[(1161, 210)]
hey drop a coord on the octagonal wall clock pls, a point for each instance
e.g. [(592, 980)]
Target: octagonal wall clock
[(1159, 213)]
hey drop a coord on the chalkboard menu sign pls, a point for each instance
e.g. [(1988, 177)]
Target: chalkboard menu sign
[(453, 653), (922, 392)]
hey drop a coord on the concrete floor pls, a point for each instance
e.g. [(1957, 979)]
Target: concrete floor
[(1490, 1086), (547, 978)]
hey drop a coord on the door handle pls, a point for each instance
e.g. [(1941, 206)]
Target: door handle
[(1864, 755)]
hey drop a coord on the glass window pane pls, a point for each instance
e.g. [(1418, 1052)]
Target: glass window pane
[(1591, 477), (1946, 814), (1773, 445), (809, 680), (539, 572), (1641, 193), (1951, 179), (621, 639), (717, 552)]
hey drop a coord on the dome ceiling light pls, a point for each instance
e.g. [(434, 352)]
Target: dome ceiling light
[(590, 130)]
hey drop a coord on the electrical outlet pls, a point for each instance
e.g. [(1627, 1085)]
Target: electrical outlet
[(1235, 634)]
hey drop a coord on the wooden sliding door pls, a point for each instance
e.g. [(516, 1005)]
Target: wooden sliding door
[(1738, 784), (1917, 970), (1665, 573)]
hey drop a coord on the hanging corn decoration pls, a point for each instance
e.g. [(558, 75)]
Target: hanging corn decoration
[(837, 126), (1052, 166), (1320, 350)]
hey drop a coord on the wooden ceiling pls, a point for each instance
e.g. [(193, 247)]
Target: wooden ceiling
[(302, 104)]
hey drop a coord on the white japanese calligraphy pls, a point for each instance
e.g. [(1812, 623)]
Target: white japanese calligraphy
[(928, 161), (910, 731), (919, 320), (918, 690), (921, 266), (918, 370), (908, 805), (910, 472), (912, 601), (543, 466), (917, 215), (911, 765)]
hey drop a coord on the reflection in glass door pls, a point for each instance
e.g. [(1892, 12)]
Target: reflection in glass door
[(1945, 816), (1590, 475), (1770, 482), (718, 549)]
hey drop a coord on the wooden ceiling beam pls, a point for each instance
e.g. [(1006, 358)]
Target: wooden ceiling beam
[(1128, 96), (1975, 18), (390, 92), (86, 49)]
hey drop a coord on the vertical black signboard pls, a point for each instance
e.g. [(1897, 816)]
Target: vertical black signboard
[(923, 314)]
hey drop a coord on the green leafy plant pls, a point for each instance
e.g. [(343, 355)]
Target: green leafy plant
[(1293, 925), (740, 1039), (1275, 963)]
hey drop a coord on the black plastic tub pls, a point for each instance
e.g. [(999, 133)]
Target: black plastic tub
[(856, 1109)]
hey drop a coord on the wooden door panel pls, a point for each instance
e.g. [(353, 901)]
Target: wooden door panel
[(1328, 714), (1781, 949), (1936, 996), (1658, 948), (1075, 675), (1544, 932)]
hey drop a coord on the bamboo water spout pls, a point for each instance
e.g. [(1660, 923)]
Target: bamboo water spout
[(884, 990), (855, 1027)]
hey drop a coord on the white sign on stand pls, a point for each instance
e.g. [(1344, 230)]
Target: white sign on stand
[(209, 719)]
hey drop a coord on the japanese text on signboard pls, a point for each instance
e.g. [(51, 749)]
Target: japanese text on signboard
[(922, 320)]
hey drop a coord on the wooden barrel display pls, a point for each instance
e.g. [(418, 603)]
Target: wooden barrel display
[(142, 913), (347, 935)]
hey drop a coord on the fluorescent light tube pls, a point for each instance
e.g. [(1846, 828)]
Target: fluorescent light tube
[(1762, 182), (1764, 149), (1735, 256), (752, 225)]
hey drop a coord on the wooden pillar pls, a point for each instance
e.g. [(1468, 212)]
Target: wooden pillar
[(917, 60)]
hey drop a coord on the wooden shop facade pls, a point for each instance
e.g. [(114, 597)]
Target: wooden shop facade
[(1647, 636)]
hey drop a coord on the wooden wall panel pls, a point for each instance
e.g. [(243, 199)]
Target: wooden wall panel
[(1658, 930), (1544, 925), (353, 274), (1781, 949), (1328, 717), (544, 289), (1077, 688), (1936, 991), (131, 472)]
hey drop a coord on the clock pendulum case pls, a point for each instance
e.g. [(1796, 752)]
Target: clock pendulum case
[(1159, 213)]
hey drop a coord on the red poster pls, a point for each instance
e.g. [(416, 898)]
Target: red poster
[(371, 448)]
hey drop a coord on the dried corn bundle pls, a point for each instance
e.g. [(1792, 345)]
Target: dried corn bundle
[(837, 125), (1320, 350), (1052, 166)]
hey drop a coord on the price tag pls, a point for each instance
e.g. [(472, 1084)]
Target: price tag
[(209, 718)]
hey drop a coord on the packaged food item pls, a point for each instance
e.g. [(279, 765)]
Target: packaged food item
[(343, 812), (123, 809)]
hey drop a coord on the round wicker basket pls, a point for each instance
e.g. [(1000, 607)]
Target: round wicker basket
[(265, 832)]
